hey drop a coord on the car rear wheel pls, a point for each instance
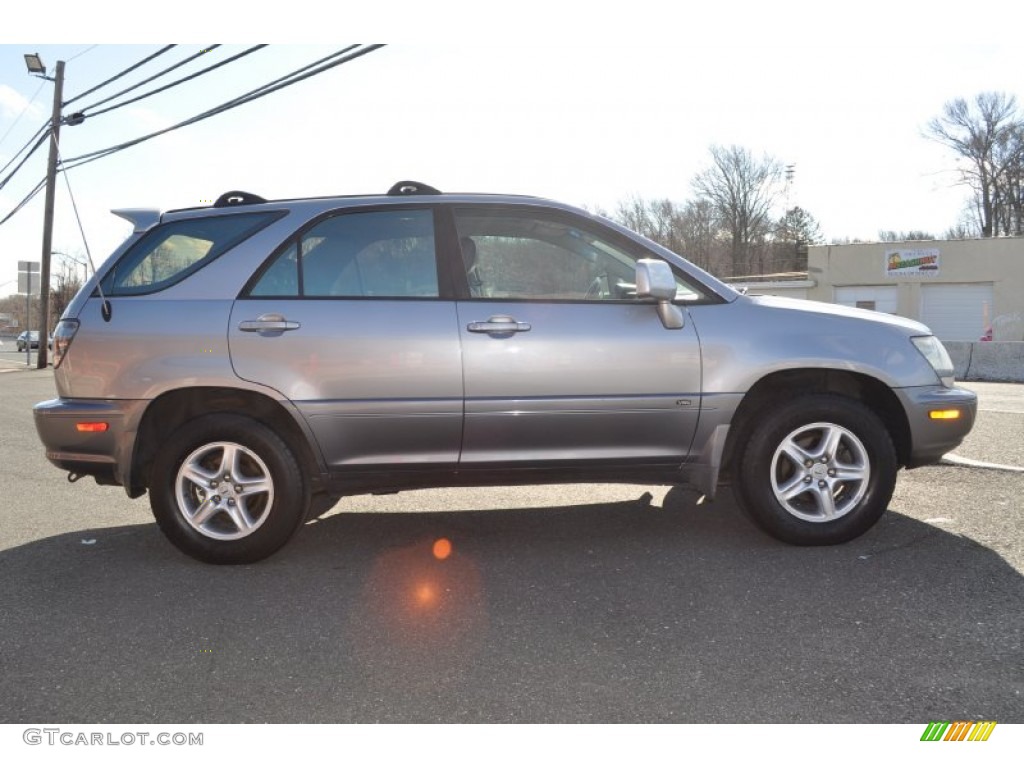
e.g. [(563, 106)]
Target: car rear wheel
[(226, 489), (817, 470)]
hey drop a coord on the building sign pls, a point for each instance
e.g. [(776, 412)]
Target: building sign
[(911, 261)]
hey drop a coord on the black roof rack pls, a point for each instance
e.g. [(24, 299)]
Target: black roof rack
[(237, 197), (412, 188)]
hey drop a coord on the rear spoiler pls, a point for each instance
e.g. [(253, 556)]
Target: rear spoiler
[(140, 218)]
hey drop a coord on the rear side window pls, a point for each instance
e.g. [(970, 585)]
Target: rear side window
[(169, 253), (379, 254)]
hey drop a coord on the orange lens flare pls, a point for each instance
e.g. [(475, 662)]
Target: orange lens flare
[(442, 549), (426, 594)]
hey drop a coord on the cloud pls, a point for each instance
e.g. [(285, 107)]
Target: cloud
[(149, 119), (12, 103)]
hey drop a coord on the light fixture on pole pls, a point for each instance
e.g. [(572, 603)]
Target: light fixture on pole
[(35, 65)]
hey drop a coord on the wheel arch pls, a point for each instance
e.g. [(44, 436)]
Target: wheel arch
[(172, 409), (784, 385)]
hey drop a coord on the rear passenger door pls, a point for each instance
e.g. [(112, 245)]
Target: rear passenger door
[(348, 321)]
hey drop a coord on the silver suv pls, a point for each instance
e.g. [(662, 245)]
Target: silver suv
[(250, 362)]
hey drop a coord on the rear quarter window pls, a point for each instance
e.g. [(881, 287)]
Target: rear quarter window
[(170, 252)]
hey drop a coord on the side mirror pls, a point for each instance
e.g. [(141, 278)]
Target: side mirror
[(654, 280)]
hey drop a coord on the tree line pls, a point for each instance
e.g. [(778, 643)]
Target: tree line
[(731, 225)]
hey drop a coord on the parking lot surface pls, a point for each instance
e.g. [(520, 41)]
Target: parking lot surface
[(547, 604)]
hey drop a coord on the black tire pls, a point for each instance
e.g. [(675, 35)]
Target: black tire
[(834, 499), (225, 514)]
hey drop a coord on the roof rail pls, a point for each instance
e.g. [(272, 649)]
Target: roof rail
[(412, 188), (237, 197)]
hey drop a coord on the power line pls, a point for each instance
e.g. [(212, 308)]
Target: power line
[(119, 75), (14, 157), (141, 83), (38, 144), (28, 104), (38, 188), (176, 82), (341, 57), (46, 126), (82, 53)]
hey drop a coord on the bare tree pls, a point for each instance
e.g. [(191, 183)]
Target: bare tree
[(691, 230), (700, 233), (743, 190), (985, 135), (65, 283), (658, 220), (667, 224), (632, 212), (892, 236), (1008, 200), (14, 306)]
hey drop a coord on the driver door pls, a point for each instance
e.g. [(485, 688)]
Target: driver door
[(561, 362)]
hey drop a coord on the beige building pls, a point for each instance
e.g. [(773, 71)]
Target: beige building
[(961, 289)]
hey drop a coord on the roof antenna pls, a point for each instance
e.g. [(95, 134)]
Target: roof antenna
[(106, 310)]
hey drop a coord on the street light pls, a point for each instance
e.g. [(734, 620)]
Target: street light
[(78, 261), (35, 65)]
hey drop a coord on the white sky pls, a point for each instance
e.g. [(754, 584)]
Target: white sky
[(582, 102)]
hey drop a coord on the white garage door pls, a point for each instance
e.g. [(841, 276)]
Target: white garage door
[(956, 312), (881, 298)]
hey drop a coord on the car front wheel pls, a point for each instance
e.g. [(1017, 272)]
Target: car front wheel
[(226, 489), (817, 470)]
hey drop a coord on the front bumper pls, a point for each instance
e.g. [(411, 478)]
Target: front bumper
[(105, 455), (931, 438)]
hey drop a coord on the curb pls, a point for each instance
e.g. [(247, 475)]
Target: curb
[(960, 461)]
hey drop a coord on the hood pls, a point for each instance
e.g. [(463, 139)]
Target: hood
[(912, 327)]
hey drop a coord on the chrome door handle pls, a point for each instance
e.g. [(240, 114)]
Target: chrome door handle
[(499, 325), (271, 322)]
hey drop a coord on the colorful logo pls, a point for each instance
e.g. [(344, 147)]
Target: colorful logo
[(960, 730)]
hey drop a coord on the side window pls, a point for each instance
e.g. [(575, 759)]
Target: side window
[(515, 255), (170, 252), (282, 278), (386, 254)]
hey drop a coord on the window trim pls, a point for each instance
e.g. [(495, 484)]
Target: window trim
[(441, 262), (630, 246), (112, 292)]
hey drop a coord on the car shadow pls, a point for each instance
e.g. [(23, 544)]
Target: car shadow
[(614, 612)]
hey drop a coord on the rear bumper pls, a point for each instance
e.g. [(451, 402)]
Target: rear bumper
[(932, 438), (104, 455)]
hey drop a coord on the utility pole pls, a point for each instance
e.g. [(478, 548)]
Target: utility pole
[(51, 188)]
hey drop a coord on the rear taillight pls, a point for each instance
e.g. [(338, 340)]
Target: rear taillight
[(63, 334)]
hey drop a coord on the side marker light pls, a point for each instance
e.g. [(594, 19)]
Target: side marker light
[(92, 426)]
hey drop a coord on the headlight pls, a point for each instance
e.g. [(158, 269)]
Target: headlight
[(937, 357)]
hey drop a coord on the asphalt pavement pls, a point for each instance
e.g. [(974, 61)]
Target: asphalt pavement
[(553, 604)]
